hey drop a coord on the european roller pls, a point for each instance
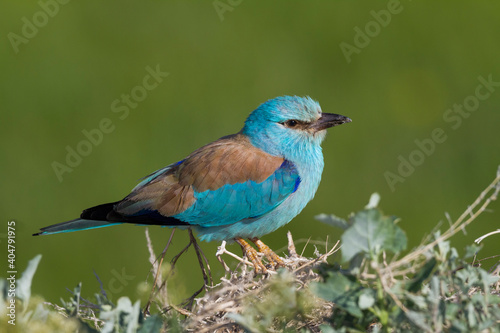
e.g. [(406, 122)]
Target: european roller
[(243, 185)]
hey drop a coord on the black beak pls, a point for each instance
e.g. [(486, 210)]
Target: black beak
[(328, 120)]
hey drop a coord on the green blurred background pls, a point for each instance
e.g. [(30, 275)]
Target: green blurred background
[(221, 66)]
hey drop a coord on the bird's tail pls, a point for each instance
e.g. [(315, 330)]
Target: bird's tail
[(74, 225), (90, 218), (104, 216)]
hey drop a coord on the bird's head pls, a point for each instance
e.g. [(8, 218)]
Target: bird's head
[(285, 125)]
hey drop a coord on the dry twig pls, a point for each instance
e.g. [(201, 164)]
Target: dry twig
[(412, 261)]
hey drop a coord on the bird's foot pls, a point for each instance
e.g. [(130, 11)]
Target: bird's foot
[(252, 255), (271, 256)]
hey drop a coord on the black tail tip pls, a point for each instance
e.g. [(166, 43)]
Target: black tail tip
[(38, 233)]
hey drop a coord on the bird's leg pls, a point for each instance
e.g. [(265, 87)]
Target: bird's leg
[(273, 258), (252, 255)]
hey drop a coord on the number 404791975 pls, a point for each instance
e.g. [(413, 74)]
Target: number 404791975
[(11, 240)]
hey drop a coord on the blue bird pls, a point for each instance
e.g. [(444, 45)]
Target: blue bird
[(240, 186)]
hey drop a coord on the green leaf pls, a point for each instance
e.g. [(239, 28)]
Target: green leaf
[(134, 316), (23, 288), (487, 323), (487, 279), (416, 284), (125, 317), (371, 233), (152, 324), (328, 329), (471, 315), (418, 319), (418, 300), (435, 290), (444, 249), (246, 321), (374, 200), (471, 250), (340, 290), (332, 220), (366, 300)]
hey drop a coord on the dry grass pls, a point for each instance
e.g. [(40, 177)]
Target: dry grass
[(213, 311)]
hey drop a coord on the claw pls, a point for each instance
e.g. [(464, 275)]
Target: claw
[(272, 257), (252, 255)]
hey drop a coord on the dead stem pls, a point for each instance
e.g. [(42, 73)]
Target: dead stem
[(156, 267), (469, 215)]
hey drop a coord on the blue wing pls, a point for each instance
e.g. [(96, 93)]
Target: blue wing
[(224, 182), (232, 203)]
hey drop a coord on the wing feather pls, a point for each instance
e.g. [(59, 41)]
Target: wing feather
[(221, 183)]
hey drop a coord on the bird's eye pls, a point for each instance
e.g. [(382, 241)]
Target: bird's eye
[(291, 123)]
